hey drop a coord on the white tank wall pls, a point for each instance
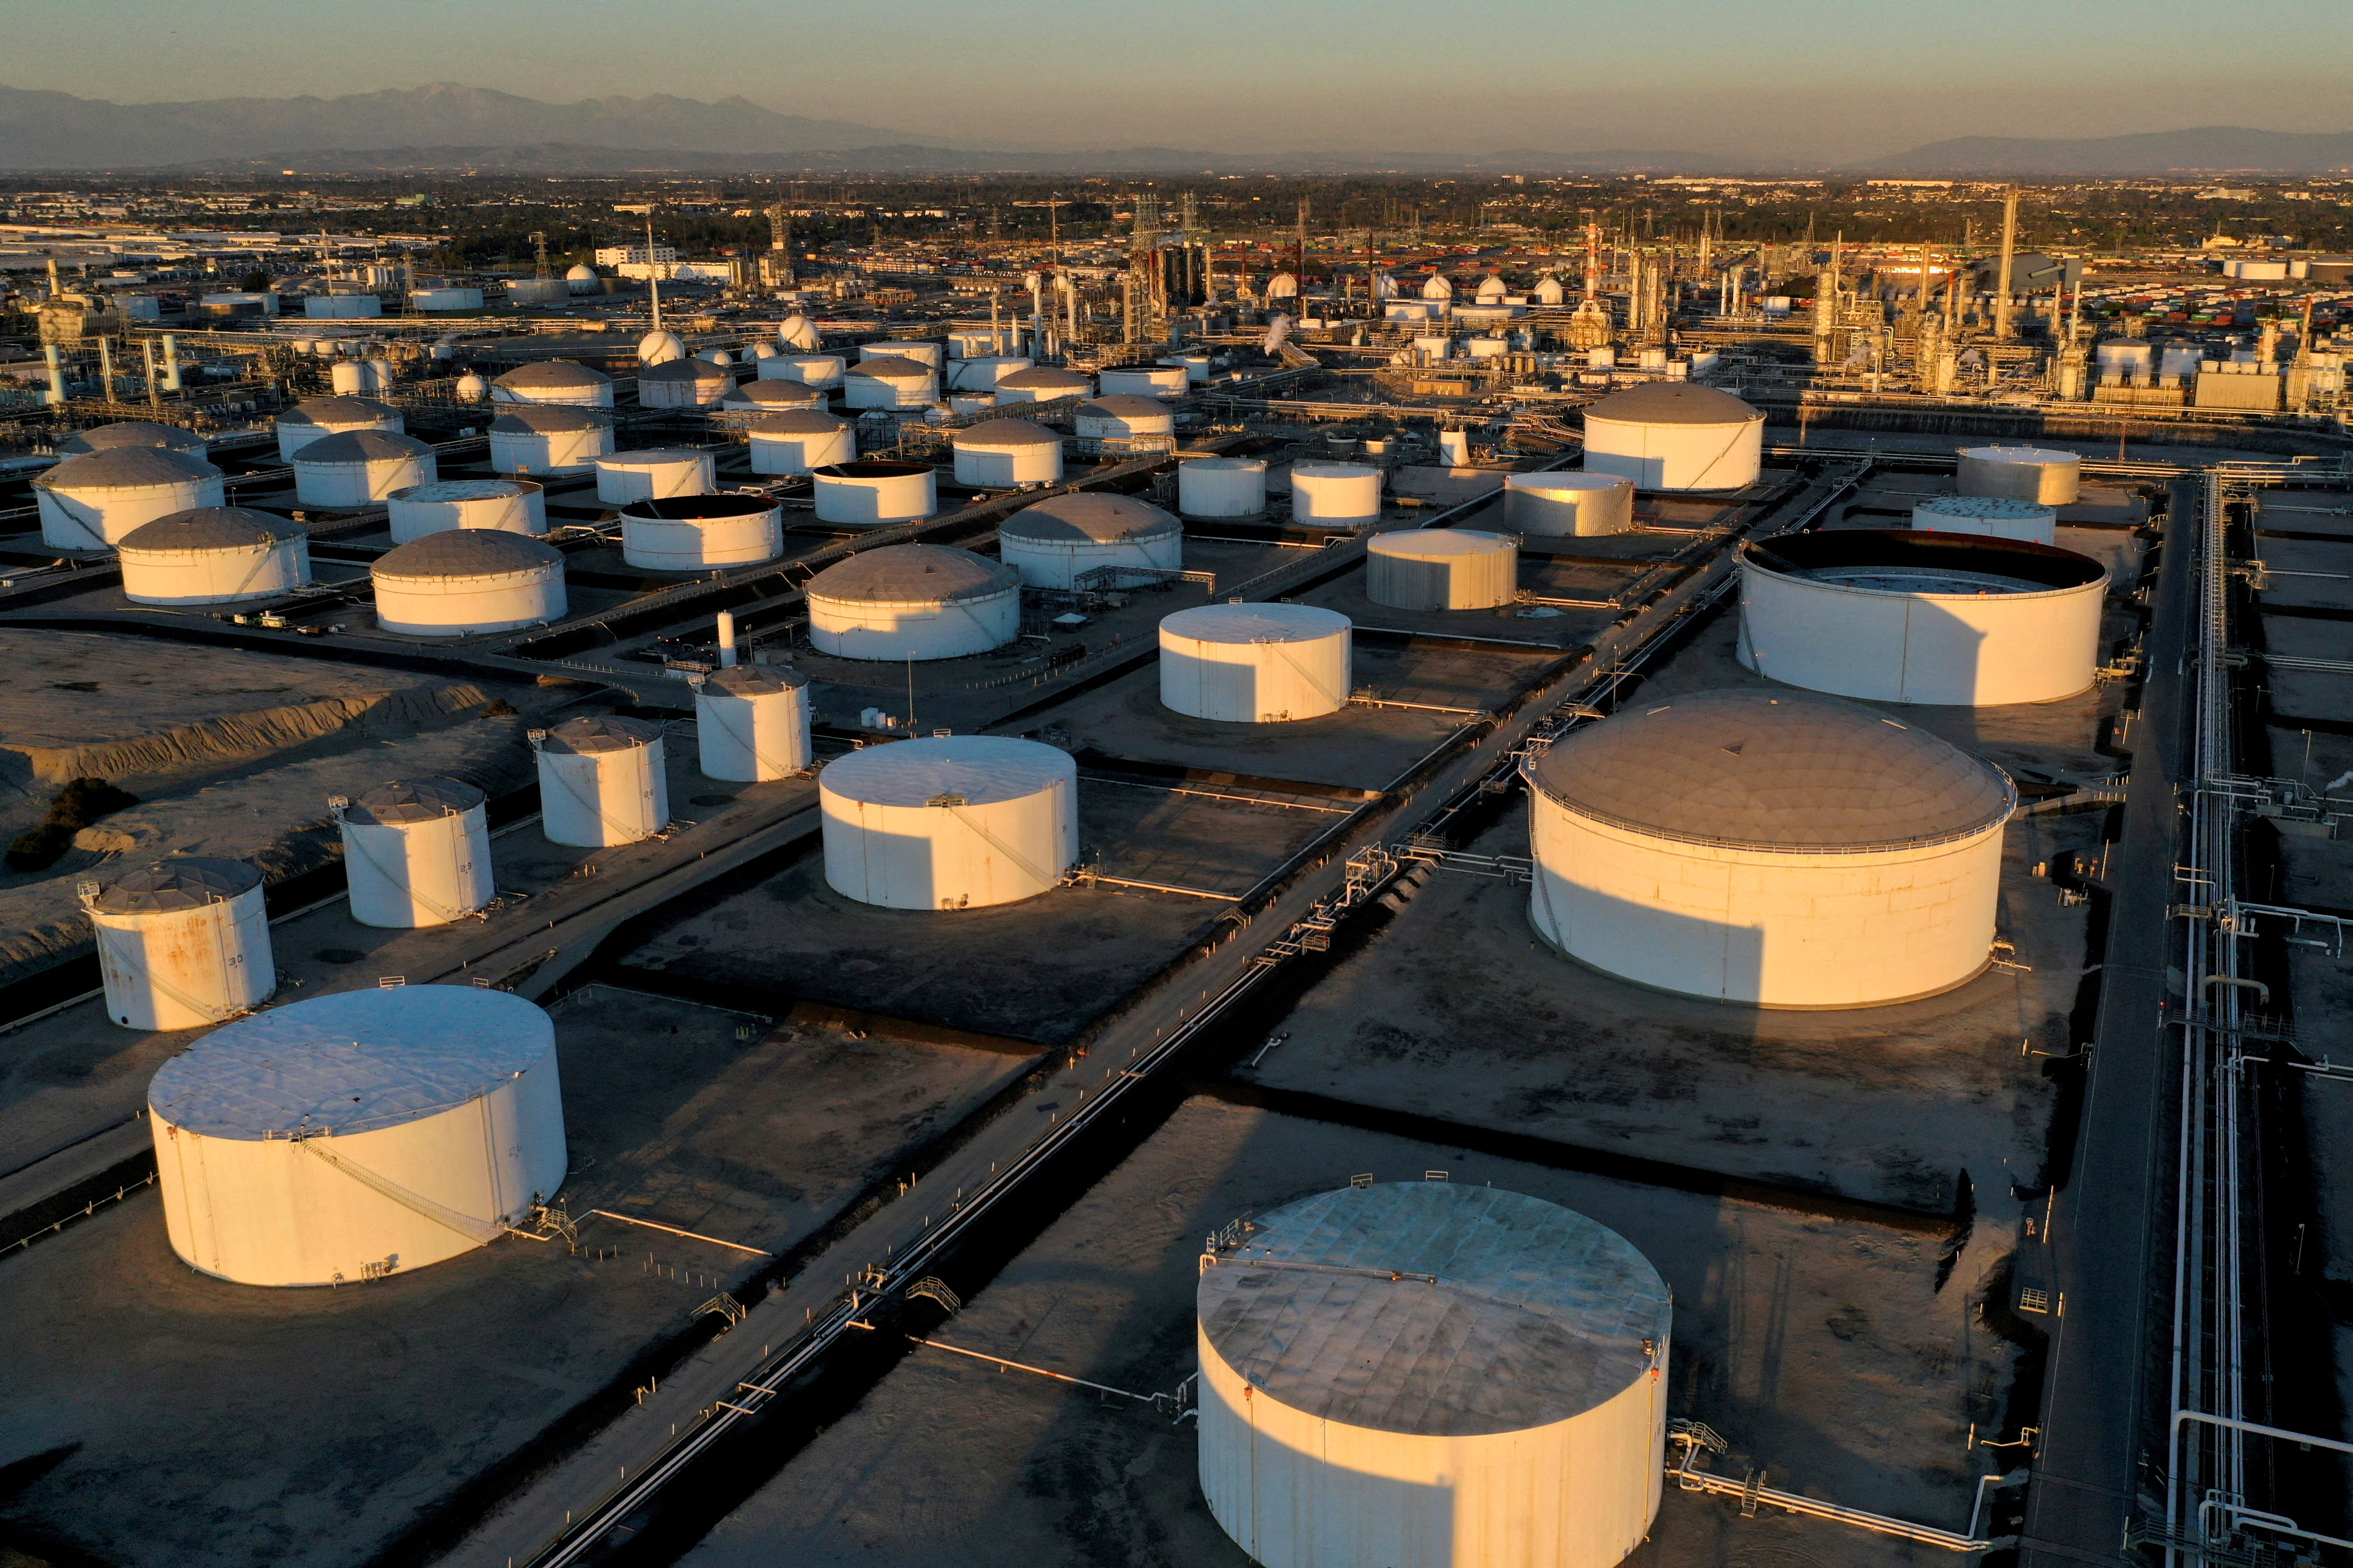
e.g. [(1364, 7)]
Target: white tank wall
[(1212, 666), (799, 452), (1221, 486), (98, 519), (682, 392), (809, 370), (869, 629), (549, 452), (693, 544), (361, 484), (598, 799), (186, 968), (1675, 457), (996, 467), (587, 395), (1142, 381), (1956, 514), (215, 576), (2042, 475), (1057, 563), (944, 856), (752, 736), (1124, 426), (625, 476), (903, 392), (1011, 394), (461, 606), (1442, 569), (342, 307), (1570, 505), (924, 352), (983, 375), (415, 515), (874, 500), (411, 874), (1341, 493), (294, 436)]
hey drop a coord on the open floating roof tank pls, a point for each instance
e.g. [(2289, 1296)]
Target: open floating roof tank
[(1254, 664), (1002, 453), (2039, 474), (1897, 616), (1221, 486), (683, 383), (950, 822), (701, 532), (1045, 383), (874, 493), (1342, 495), (214, 555), (1998, 517), (625, 477), (1569, 505), (1779, 851), (753, 723), (913, 602), (461, 582), (601, 781), (559, 382), (95, 501), (799, 441), (416, 853), (1674, 436), (360, 468), (183, 943), (132, 433), (349, 1137), (1123, 417), (538, 440), (1055, 541), (517, 506), (1160, 381), (819, 371), (890, 382), (1442, 569), (1418, 1374)]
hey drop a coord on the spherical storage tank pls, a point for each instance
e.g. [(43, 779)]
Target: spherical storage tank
[(182, 943), (889, 383), (1221, 486), (1043, 384), (2038, 474), (753, 723), (810, 370), (1674, 436), (625, 477), (1000, 452), (1142, 381), (543, 440), (601, 781), (1425, 1376), (661, 348), (1343, 494), (875, 492), (1053, 542), (799, 441), (556, 380), (1124, 417), (360, 468), (1254, 664), (132, 433), (913, 602), (699, 533), (1896, 615), (518, 506), (1777, 850), (348, 1137), (93, 502), (682, 384), (580, 279), (417, 852), (464, 581), (1568, 504), (1442, 569), (214, 555), (1998, 517), (951, 822)]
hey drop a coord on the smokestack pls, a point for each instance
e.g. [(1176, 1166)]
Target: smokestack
[(171, 362), (2009, 255), (726, 639), (57, 394)]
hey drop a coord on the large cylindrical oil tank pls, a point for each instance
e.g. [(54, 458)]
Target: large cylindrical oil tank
[(926, 352), (518, 506), (753, 723), (446, 298), (1055, 541), (316, 419), (1777, 850), (1045, 383), (683, 383), (1221, 486), (890, 382), (625, 477), (2039, 474), (1675, 436), (809, 370), (983, 375), (556, 380), (1896, 615), (1442, 569), (464, 581), (1426, 1374), (528, 439), (357, 1135), (183, 943), (998, 453), (701, 532), (1254, 664), (913, 602), (1163, 381), (1123, 417), (1341, 495), (875, 493), (360, 468), (93, 502), (1568, 504), (799, 442), (1996, 517), (214, 555), (601, 781), (949, 822), (132, 433), (538, 292), (772, 396), (417, 852)]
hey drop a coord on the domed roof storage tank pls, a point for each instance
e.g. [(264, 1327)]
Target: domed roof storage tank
[(580, 279), (799, 441), (1425, 1376), (183, 943), (316, 419), (417, 852), (1897, 616), (527, 439), (1675, 436), (464, 581), (924, 352), (1996, 517), (93, 502), (682, 384), (1221, 486), (625, 477), (890, 382), (753, 723), (951, 822), (601, 781), (559, 382), (875, 492), (1254, 664), (913, 602), (1162, 381), (132, 433), (809, 370), (1045, 383), (356, 1135), (2039, 474), (360, 468), (775, 396), (517, 506), (700, 532), (1000, 453), (1054, 541), (1779, 850), (1123, 417), (214, 555), (1442, 569), (1568, 504), (1343, 495)]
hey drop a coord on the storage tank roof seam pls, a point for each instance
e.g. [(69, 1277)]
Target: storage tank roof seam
[(183, 883), (588, 736), (466, 552), (1089, 517), (912, 574), (126, 467), (131, 432), (339, 411), (413, 800), (534, 419), (210, 527), (986, 770), (360, 447), (1674, 403)]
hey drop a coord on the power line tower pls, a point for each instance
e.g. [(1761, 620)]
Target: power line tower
[(776, 267), (539, 240)]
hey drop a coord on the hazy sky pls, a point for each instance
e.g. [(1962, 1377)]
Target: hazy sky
[(1800, 79)]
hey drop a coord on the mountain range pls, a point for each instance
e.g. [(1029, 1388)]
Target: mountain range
[(2207, 149)]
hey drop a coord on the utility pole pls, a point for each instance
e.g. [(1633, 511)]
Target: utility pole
[(2008, 254)]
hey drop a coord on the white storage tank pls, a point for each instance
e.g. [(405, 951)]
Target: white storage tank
[(537, 291), (92, 501), (580, 279), (1142, 381), (983, 375), (2039, 474), (2125, 356), (1221, 486), (317, 418), (799, 442), (661, 348), (183, 943), (349, 378), (1053, 542), (913, 602), (809, 370), (518, 506), (795, 332), (343, 307), (1675, 436), (683, 383), (1254, 664), (353, 1136), (361, 468), (526, 439), (446, 298), (1996, 517), (1442, 569), (1000, 453), (1342, 495), (214, 555), (968, 403), (1043, 384), (1124, 417), (924, 352), (134, 432), (1420, 1374), (1895, 616), (890, 384), (417, 852), (625, 477), (753, 723), (471, 388), (772, 397), (1777, 850), (556, 380), (464, 581), (1569, 505), (950, 822), (701, 532), (601, 781), (875, 493)]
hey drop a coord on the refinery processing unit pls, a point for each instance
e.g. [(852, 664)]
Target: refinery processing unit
[(1154, 878)]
